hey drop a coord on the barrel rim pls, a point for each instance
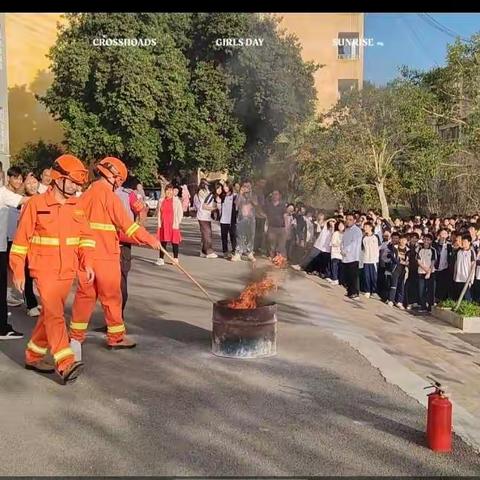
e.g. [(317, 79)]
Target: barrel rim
[(224, 304)]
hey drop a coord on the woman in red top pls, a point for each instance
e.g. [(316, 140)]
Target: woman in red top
[(169, 215)]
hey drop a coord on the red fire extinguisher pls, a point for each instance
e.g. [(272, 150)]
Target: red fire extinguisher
[(439, 419)]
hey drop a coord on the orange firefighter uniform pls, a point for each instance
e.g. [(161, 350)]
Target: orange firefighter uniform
[(57, 240), (107, 216)]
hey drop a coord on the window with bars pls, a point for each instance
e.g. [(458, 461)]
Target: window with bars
[(348, 46)]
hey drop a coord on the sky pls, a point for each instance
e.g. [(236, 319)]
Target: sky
[(412, 39)]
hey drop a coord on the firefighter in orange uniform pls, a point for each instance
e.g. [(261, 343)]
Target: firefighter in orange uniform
[(107, 215), (53, 233)]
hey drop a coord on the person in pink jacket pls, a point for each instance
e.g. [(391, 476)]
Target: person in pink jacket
[(169, 216)]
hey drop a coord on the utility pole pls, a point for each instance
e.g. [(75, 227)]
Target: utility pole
[(4, 137)]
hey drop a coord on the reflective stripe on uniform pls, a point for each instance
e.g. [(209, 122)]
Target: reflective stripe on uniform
[(35, 348), (73, 240), (84, 242), (37, 240), (78, 326), (18, 249), (106, 227), (116, 329), (64, 353), (132, 229)]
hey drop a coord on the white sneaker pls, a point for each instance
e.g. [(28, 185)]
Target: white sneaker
[(329, 280), (335, 282), (160, 262), (297, 267), (236, 258), (400, 306), (212, 255), (251, 257), (76, 346), (202, 255), (367, 295), (390, 304), (33, 312)]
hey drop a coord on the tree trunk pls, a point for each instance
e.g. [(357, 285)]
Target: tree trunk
[(383, 198)]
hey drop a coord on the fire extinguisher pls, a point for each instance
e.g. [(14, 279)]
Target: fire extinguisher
[(439, 419)]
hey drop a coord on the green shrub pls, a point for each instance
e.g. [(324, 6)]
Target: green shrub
[(466, 309)]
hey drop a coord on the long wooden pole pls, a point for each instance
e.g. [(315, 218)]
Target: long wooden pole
[(187, 274)]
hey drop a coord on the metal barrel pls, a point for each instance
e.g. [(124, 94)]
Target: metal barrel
[(244, 333)]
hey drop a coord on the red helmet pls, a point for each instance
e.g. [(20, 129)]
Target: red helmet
[(69, 166), (111, 167)]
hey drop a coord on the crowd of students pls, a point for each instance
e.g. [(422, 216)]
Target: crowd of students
[(410, 263)]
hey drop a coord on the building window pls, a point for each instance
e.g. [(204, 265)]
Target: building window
[(346, 85), (348, 46)]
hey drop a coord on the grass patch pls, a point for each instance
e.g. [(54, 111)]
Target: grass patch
[(466, 309)]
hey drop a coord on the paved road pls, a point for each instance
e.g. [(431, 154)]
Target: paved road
[(169, 407)]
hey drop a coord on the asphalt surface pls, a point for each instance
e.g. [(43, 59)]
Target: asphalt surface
[(169, 407)]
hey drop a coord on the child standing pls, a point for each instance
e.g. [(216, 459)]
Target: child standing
[(463, 267), (400, 273), (170, 214), (426, 258), (371, 252), (336, 254)]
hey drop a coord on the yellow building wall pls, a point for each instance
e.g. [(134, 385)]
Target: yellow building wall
[(28, 40), (316, 32)]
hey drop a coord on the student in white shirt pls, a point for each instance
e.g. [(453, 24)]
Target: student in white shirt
[(463, 267), (228, 219), (336, 253), (426, 258), (7, 199), (204, 203), (351, 247), (323, 244), (371, 252), (476, 282)]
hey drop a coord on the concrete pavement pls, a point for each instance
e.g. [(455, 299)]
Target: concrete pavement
[(170, 407)]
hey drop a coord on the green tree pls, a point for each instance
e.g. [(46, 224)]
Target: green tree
[(138, 103), (373, 140)]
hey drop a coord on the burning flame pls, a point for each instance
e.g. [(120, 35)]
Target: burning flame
[(249, 297), (280, 262)]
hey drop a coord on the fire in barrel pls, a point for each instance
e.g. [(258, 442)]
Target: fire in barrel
[(247, 326)]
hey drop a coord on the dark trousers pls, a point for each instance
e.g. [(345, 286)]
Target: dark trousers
[(206, 233), (174, 249), (125, 265), (351, 278), (411, 288), (309, 261), (381, 280), (277, 241), (324, 264), (443, 281), (28, 294), (259, 243), (458, 291), (4, 327), (397, 284), (426, 291), (370, 273), (476, 291), (228, 230), (335, 265)]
